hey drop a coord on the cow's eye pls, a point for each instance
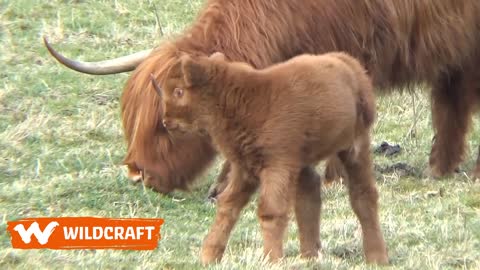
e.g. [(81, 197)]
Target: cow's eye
[(178, 92)]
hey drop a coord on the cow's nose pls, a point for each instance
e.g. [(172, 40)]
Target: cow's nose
[(168, 124)]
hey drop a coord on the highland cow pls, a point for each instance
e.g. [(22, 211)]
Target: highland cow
[(400, 42), (270, 124)]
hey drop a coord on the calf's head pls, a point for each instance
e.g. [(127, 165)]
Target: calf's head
[(187, 92)]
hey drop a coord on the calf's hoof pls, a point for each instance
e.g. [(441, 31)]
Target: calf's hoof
[(379, 258), (211, 254), (311, 253)]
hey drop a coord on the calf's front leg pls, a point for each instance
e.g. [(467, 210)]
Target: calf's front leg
[(229, 206)]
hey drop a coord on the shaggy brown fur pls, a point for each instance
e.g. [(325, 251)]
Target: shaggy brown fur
[(271, 125), (401, 43)]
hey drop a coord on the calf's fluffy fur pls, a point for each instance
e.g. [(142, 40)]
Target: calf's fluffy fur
[(273, 125)]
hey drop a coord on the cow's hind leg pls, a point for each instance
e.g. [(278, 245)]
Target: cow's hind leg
[(452, 106), (476, 172), (334, 170), (364, 198), (220, 183)]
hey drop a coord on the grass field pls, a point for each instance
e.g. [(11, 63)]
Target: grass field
[(61, 146)]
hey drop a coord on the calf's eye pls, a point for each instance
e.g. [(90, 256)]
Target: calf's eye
[(178, 92)]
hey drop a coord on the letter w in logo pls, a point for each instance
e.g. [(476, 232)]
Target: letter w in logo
[(42, 237)]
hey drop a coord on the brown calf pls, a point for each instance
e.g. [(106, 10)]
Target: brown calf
[(273, 125)]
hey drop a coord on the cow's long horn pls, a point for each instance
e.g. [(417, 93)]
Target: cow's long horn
[(112, 66)]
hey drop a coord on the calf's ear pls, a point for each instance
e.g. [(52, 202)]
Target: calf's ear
[(217, 56), (194, 72)]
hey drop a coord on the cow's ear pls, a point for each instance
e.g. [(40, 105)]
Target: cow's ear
[(195, 73)]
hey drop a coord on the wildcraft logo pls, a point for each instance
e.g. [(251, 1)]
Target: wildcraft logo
[(85, 233)]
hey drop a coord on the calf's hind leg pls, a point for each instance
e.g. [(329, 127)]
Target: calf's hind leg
[(364, 198), (229, 205), (277, 189), (308, 205)]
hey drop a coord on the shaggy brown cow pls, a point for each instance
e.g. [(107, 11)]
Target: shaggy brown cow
[(401, 43), (270, 124)]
